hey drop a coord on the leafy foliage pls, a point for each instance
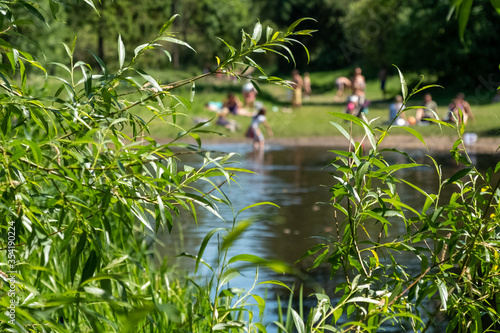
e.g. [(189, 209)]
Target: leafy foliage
[(86, 189), (456, 240)]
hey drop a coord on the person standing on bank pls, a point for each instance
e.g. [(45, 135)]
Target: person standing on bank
[(307, 86), (255, 133), (358, 85), (297, 84), (382, 75)]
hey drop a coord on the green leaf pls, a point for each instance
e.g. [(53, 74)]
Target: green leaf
[(343, 132), (427, 87), (246, 257), (404, 86), (362, 300), (443, 293), (269, 33), (193, 91), (91, 4), (303, 46), (101, 63), (235, 233), (415, 134), (296, 23), (440, 122), (395, 167), (13, 57), (376, 216), (161, 208), (90, 267), (289, 52), (203, 245), (497, 167), (139, 213), (168, 23), (258, 204), (418, 189), (496, 5), (463, 17), (35, 149), (228, 275), (349, 117), (275, 265), (34, 12), (176, 41), (121, 51), (299, 323), (257, 32), (54, 8), (149, 78), (459, 174), (278, 283), (139, 48), (360, 173), (232, 50), (227, 326), (169, 56)]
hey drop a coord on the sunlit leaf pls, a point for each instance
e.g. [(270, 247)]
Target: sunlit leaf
[(176, 41), (121, 51), (404, 86)]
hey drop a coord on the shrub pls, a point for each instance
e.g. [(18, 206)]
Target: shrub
[(85, 188)]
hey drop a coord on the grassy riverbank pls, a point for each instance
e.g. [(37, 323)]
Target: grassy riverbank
[(313, 119)]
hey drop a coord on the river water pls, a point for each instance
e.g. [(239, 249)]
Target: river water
[(297, 179)]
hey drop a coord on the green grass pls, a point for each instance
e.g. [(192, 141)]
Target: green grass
[(314, 118)]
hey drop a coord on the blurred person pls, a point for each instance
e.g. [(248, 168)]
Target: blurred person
[(382, 75), (429, 104), (232, 104), (307, 86), (249, 95), (297, 85), (394, 109), (352, 105), (459, 104), (342, 83), (358, 85), (222, 114), (255, 133)]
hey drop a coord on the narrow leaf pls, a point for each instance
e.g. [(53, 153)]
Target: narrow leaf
[(121, 51), (204, 245), (404, 86), (296, 23), (463, 17), (257, 32), (168, 23), (459, 174), (176, 41), (149, 78)]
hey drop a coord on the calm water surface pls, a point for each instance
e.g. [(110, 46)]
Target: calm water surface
[(297, 179)]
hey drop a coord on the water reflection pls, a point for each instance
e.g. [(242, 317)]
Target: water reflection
[(297, 179)]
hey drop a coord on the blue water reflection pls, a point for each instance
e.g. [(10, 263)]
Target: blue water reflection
[(297, 179)]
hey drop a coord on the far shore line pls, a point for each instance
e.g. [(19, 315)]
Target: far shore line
[(483, 145)]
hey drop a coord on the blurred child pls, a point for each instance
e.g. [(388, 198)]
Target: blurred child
[(255, 133)]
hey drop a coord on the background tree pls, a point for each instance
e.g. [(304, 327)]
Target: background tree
[(325, 52)]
